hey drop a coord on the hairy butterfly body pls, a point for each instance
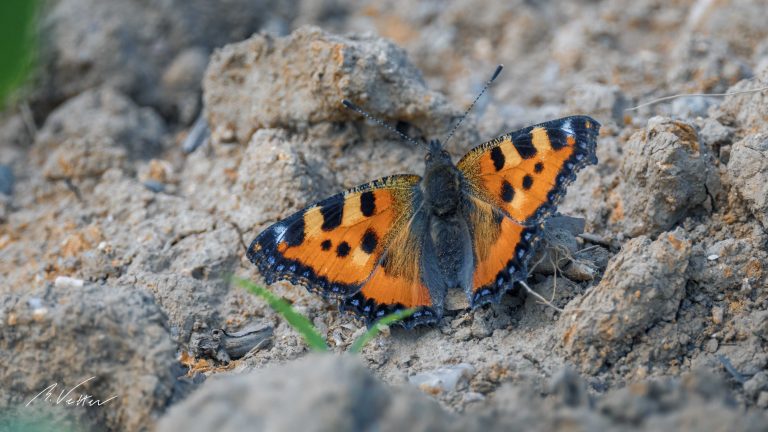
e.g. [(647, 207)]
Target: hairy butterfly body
[(403, 241)]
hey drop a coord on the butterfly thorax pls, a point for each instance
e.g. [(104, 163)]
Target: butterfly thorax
[(442, 182)]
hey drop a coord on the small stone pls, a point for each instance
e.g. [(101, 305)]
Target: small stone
[(39, 314), (580, 271), (442, 380), (38, 310), (158, 170), (64, 282), (713, 257), (154, 186), (35, 303), (717, 315), (711, 346), (762, 400), (197, 135), (6, 180)]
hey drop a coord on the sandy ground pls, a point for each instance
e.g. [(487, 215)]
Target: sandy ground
[(118, 232)]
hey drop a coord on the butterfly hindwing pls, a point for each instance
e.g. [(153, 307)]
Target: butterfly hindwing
[(513, 183), (357, 246), (397, 283), (501, 249)]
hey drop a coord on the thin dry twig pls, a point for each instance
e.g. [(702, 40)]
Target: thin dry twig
[(594, 238), (540, 297), (682, 95)]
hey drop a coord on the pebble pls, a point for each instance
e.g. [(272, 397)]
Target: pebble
[(442, 380), (64, 282), (762, 400), (197, 135), (717, 314), (35, 303), (38, 310), (580, 271), (6, 180), (154, 186)]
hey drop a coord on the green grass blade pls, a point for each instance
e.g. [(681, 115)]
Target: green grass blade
[(299, 322), (378, 327), (17, 40)]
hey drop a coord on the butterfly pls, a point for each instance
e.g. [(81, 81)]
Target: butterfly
[(403, 241)]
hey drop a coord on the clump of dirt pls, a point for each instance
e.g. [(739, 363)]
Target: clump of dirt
[(120, 222)]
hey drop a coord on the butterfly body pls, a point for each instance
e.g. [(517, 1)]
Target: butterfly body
[(447, 260), (405, 241)]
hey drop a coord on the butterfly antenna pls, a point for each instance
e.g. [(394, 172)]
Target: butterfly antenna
[(472, 105), (379, 122)]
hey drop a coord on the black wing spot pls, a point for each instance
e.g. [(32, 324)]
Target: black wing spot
[(343, 249), (539, 167), (497, 155), (367, 203), (507, 192), (370, 241), (524, 146), (294, 235), (557, 138), (332, 212), (527, 182), (326, 245)]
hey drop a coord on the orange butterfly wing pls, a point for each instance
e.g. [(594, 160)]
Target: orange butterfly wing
[(356, 247), (514, 182)]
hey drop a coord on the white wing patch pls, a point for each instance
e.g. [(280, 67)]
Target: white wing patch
[(567, 127)]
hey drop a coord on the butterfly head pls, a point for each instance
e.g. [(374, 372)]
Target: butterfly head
[(436, 155)]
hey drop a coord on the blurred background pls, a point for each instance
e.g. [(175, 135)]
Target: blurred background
[(155, 52)]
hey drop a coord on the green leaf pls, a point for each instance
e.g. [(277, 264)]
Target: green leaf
[(17, 40), (378, 327), (299, 322)]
